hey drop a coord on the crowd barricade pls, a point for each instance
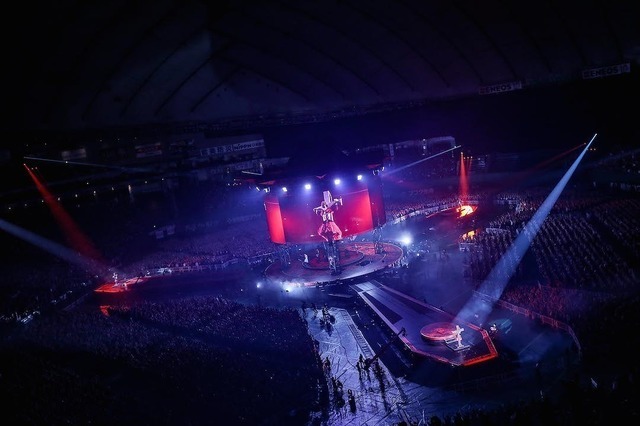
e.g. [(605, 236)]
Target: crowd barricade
[(465, 246), (429, 211), (534, 315), (496, 231), (200, 267), (244, 218)]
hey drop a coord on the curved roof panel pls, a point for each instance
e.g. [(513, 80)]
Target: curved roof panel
[(85, 65)]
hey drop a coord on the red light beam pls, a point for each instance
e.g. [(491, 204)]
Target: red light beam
[(75, 237)]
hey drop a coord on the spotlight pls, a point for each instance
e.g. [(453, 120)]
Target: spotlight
[(336, 181), (359, 177), (307, 186), (406, 239), (284, 189)]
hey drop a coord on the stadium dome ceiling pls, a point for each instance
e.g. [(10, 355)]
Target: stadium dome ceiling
[(91, 65)]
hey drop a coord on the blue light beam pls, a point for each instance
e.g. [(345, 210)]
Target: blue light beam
[(420, 161), (51, 247), (502, 272)]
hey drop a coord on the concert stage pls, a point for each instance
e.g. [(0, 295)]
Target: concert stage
[(428, 331), (121, 285), (356, 259)]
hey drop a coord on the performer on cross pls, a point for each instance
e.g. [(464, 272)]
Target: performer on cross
[(457, 334), (328, 229)]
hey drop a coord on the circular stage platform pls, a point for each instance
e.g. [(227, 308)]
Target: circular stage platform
[(356, 259), (438, 332), (349, 255)]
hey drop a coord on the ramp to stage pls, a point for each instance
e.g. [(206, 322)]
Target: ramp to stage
[(429, 331)]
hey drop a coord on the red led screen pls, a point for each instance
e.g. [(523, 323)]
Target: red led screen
[(274, 220), (296, 216)]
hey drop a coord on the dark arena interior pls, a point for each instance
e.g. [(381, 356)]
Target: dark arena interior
[(320, 213)]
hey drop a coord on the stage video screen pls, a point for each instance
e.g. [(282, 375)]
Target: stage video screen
[(318, 214)]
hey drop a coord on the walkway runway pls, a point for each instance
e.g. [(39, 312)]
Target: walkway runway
[(426, 330)]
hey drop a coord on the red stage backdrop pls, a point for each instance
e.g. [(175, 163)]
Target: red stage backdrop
[(291, 218)]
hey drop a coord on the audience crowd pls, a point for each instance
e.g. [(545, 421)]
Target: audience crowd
[(203, 360)]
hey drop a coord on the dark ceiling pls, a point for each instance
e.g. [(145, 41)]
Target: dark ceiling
[(92, 65)]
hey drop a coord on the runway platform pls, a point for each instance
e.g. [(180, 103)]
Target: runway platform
[(121, 285), (356, 259), (428, 331)]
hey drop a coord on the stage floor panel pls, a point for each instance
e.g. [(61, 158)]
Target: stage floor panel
[(362, 260)]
